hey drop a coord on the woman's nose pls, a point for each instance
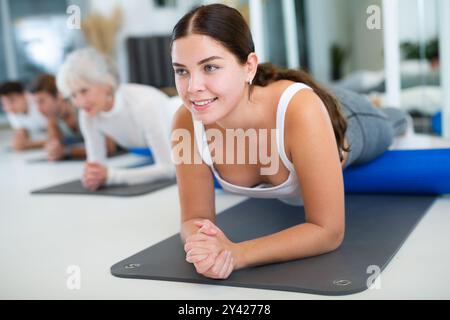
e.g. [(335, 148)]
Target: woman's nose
[(79, 101), (196, 84)]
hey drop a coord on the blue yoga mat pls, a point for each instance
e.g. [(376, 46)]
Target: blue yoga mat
[(396, 172), (436, 123), (401, 172), (144, 152)]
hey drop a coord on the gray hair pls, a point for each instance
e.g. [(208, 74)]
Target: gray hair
[(86, 65)]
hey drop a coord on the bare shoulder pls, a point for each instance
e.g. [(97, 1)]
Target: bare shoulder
[(182, 119), (308, 125), (306, 109)]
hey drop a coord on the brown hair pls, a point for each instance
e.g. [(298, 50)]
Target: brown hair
[(44, 83), (8, 88), (227, 26)]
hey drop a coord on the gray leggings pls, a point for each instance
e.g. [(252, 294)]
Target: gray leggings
[(370, 131)]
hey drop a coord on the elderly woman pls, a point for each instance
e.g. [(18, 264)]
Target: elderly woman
[(135, 116)]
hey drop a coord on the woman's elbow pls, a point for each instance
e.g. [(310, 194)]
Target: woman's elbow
[(335, 239)]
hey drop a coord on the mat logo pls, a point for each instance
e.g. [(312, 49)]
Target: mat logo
[(74, 20), (132, 266), (74, 280), (342, 283), (374, 20), (374, 281)]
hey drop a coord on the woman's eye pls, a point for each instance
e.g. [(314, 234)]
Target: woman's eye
[(211, 68), (180, 72)]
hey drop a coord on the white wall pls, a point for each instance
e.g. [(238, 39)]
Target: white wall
[(323, 18), (409, 16), (141, 18), (343, 22), (367, 45)]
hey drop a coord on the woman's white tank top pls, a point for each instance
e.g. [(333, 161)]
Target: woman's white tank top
[(289, 191)]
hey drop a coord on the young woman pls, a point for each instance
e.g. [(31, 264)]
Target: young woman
[(223, 88), (134, 116)]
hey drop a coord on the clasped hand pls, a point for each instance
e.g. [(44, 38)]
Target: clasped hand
[(95, 176), (55, 150), (210, 251)]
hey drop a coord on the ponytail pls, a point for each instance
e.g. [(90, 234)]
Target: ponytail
[(268, 73)]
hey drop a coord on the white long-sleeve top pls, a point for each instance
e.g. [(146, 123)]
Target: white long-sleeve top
[(33, 121), (141, 117)]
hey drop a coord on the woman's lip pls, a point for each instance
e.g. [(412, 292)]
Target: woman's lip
[(203, 100), (203, 108)]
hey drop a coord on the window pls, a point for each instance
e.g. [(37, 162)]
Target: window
[(41, 38), (2, 51), (34, 37), (280, 32), (275, 45), (3, 73), (420, 65), (165, 3)]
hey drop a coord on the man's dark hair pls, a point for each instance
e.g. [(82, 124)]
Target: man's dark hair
[(44, 83), (9, 88)]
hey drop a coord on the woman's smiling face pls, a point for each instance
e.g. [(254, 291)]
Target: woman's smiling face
[(91, 98), (209, 78)]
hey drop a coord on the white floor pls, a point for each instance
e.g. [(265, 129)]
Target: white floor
[(42, 236)]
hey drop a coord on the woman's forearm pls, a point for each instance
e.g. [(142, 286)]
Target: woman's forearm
[(188, 228), (146, 174), (37, 144), (305, 240), (53, 131)]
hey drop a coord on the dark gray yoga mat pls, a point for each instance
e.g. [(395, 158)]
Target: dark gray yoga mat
[(43, 160), (76, 188), (376, 228)]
